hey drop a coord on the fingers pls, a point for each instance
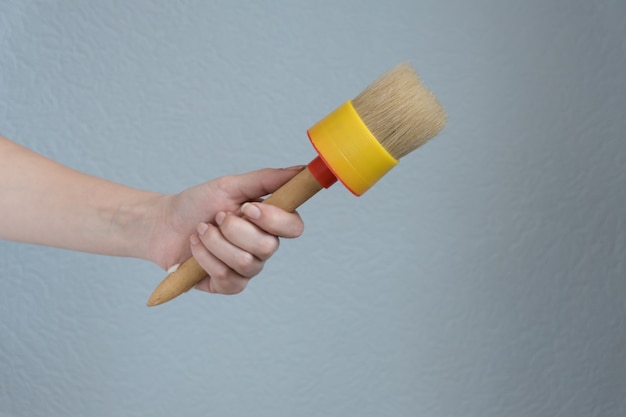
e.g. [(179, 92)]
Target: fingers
[(247, 237), (229, 268), (234, 249), (274, 220), (222, 279)]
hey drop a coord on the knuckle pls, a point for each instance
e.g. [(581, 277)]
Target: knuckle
[(290, 224), (297, 229), (246, 264), (224, 184), (234, 288), (220, 274), (267, 247), (230, 285)]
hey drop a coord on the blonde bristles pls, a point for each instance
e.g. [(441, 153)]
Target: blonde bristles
[(400, 111)]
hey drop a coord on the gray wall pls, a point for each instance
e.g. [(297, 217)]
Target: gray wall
[(484, 276)]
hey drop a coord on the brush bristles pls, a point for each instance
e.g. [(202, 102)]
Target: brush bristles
[(400, 111)]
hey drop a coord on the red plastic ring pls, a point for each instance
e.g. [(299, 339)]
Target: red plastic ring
[(322, 174)]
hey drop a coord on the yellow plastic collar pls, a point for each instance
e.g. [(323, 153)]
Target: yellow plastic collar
[(350, 150)]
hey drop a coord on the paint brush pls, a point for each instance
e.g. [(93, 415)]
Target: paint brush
[(357, 144)]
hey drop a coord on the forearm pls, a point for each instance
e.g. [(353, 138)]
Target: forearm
[(43, 202)]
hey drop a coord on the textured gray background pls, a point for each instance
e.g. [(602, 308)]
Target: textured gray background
[(484, 276)]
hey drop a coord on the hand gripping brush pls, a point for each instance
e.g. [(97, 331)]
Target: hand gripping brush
[(357, 144)]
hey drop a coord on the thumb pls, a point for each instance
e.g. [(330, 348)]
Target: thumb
[(256, 184)]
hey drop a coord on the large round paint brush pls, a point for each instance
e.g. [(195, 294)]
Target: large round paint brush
[(357, 144)]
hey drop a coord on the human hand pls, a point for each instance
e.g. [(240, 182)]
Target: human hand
[(205, 221)]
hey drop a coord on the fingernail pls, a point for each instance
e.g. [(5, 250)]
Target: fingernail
[(251, 211), (202, 228), (193, 239), (219, 218), (295, 168)]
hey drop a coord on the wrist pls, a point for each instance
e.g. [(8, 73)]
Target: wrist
[(133, 224)]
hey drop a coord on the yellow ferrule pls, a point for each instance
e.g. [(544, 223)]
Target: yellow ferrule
[(350, 150)]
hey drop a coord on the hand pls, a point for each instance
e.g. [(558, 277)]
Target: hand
[(205, 221)]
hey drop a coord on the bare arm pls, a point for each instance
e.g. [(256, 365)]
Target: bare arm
[(46, 203)]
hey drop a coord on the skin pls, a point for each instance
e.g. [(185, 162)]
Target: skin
[(43, 202)]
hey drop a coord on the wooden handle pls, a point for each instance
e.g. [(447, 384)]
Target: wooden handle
[(288, 197)]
